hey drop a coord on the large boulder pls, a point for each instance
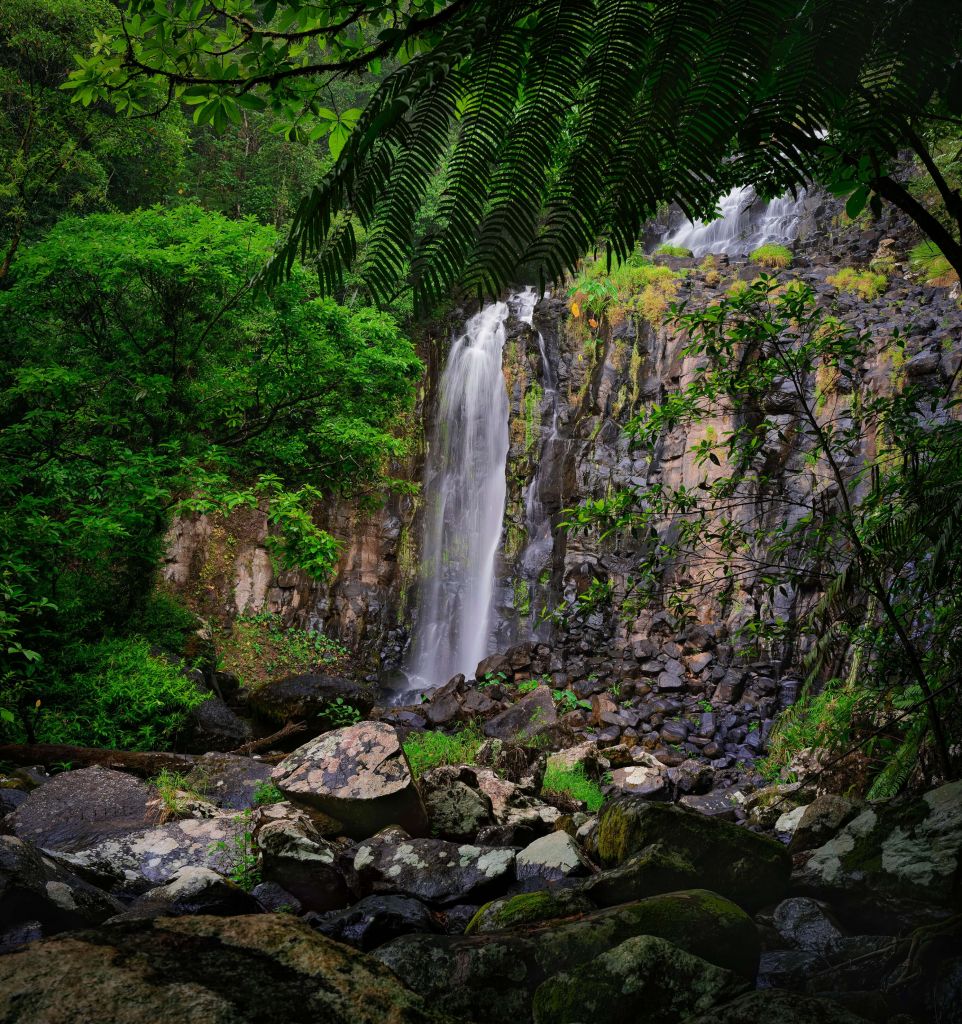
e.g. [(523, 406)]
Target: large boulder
[(552, 859), (531, 716), (528, 908), (456, 807), (820, 820), (431, 869), (137, 861), (77, 809), (213, 725), (295, 856), (894, 865), (38, 897), (497, 974), (229, 780), (644, 980), (750, 869), (371, 922), (309, 697), (259, 969), (192, 891), (359, 776), (774, 1005)]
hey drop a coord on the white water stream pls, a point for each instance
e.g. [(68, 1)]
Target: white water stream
[(465, 491)]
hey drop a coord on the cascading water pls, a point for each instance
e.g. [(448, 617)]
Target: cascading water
[(746, 223), (465, 490)]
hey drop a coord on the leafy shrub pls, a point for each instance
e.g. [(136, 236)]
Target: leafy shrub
[(175, 789), (632, 287), (673, 250), (118, 695), (260, 647), (864, 283), (427, 750), (267, 793), (927, 259), (165, 622), (774, 256), (575, 783)]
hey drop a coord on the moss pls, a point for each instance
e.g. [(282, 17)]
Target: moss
[(532, 414), (522, 598), (525, 909)]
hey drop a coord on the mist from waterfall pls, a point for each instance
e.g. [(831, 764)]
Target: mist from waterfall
[(464, 490), (746, 223)]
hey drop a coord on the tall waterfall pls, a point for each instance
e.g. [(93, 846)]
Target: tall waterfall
[(746, 223), (465, 491)]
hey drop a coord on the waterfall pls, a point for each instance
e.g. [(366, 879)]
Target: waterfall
[(465, 491), (746, 223)]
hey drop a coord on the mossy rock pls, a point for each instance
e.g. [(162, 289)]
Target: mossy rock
[(750, 869), (778, 1007), (526, 909), (499, 973), (655, 869), (644, 980)]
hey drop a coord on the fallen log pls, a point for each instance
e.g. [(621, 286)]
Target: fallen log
[(145, 763)]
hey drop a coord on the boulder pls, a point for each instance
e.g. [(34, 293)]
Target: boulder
[(820, 820), (750, 869), (497, 974), (308, 696), (229, 780), (359, 776), (296, 857), (39, 897), (807, 924), (431, 869), (375, 920), (642, 781), (141, 860), (775, 1005), (529, 717), (212, 725), (895, 865), (77, 809), (455, 809), (654, 870), (192, 891), (644, 980), (492, 666), (258, 969), (765, 806), (549, 860), (718, 803), (528, 908)]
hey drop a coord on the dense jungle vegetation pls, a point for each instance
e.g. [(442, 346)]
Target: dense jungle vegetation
[(218, 222)]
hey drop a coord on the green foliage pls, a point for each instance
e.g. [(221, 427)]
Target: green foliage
[(430, 749), (867, 284), (175, 790), (574, 783), (567, 700), (773, 256), (261, 647), (634, 287), (928, 260), (267, 793), (245, 868), (116, 694), (340, 713), (665, 249)]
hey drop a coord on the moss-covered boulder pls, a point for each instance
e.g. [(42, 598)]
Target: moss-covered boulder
[(528, 908), (653, 870), (750, 869), (644, 980), (777, 1006), (497, 974)]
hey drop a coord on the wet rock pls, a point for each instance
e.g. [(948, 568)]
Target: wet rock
[(142, 860), (788, 968), (192, 891), (529, 717), (275, 899), (431, 869), (295, 856), (455, 809), (821, 819), (750, 869), (644, 980), (307, 697), (498, 973), (777, 1005), (359, 776), (229, 780), (527, 909), (11, 799), (375, 920), (257, 969), (551, 859), (39, 897), (894, 864), (80, 808), (806, 924), (492, 666)]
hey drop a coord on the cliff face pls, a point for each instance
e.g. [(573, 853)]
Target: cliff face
[(571, 392)]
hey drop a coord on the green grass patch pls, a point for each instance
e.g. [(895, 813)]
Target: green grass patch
[(575, 783), (927, 259), (430, 749), (772, 256), (673, 250), (865, 283)]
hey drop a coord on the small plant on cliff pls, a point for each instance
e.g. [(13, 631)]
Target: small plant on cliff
[(432, 748), (575, 783), (772, 256), (865, 283), (267, 793)]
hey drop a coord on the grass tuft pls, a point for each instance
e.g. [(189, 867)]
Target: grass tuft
[(865, 283), (574, 783), (772, 256), (430, 749)]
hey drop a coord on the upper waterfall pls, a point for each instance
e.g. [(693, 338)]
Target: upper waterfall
[(746, 222), (464, 490)]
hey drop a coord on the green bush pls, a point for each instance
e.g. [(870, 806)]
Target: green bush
[(427, 750), (118, 695), (673, 250), (927, 259), (864, 283), (165, 622), (773, 256), (574, 783)]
